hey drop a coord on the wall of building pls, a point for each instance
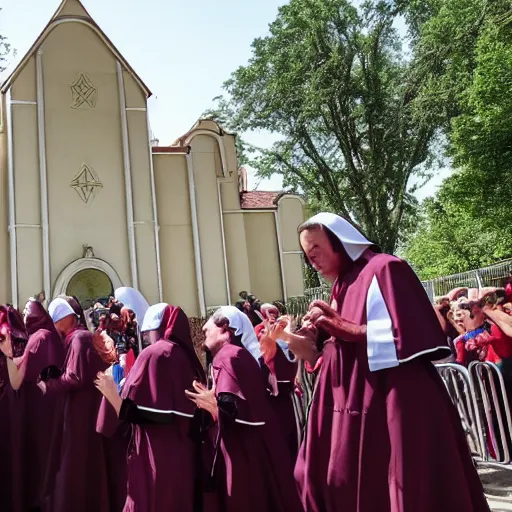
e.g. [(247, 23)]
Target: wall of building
[(176, 238), (203, 150), (83, 137), (140, 163), (263, 254), (234, 225), (27, 196), (291, 216), (5, 275), (78, 134)]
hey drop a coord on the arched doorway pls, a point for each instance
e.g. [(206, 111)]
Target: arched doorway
[(88, 279), (89, 285)]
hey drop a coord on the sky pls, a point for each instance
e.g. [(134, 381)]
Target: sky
[(183, 51)]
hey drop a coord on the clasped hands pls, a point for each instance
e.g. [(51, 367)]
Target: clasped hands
[(321, 316)]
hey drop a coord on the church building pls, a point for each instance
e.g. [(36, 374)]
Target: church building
[(88, 203)]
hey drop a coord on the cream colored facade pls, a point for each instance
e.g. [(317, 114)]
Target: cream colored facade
[(84, 196)]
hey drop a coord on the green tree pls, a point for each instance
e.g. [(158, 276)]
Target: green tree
[(224, 114), (5, 49), (457, 232), (465, 51), (332, 80)]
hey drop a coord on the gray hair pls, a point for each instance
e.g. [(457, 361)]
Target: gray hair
[(219, 319)]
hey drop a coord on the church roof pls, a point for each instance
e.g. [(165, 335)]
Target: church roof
[(259, 199), (72, 10), (171, 149)]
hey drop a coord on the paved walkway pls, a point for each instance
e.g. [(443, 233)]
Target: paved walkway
[(498, 488)]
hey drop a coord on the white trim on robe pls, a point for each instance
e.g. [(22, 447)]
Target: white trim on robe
[(381, 347), (161, 411), (252, 424)]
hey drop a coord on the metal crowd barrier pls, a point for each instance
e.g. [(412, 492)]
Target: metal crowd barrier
[(480, 396)]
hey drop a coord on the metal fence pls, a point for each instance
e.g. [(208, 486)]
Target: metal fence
[(298, 306), (480, 396), (494, 275)]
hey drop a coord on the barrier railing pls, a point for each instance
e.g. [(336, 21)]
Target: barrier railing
[(491, 395), (458, 384), (494, 275), (480, 396)]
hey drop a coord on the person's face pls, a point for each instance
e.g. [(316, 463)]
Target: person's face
[(474, 319), (215, 337), (272, 315), (318, 249), (149, 337), (65, 325), (459, 316)]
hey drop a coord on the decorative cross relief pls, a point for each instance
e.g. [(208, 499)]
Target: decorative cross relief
[(83, 92), (88, 251), (86, 183)]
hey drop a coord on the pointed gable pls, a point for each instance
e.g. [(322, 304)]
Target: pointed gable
[(72, 11), (71, 8)]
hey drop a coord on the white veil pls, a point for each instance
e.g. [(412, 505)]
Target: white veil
[(134, 300), (353, 241), (243, 327)]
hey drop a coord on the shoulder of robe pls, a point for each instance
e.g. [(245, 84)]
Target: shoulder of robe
[(81, 336), (385, 261), (36, 338)]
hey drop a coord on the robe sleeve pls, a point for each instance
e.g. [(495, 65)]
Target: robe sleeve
[(228, 407), (131, 413), (157, 384), (283, 369), (401, 322), (227, 384), (42, 351), (77, 374)]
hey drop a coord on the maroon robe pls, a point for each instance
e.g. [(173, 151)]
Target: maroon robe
[(162, 457), (388, 439), (253, 469), (43, 356), (12, 414), (115, 442), (81, 482), (282, 376)]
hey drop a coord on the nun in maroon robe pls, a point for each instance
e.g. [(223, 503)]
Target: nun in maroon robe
[(81, 481), (382, 433), (252, 468), (13, 339), (161, 454), (42, 359)]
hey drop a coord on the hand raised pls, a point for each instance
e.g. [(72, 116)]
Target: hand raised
[(106, 385), (204, 398), (6, 342), (268, 345)]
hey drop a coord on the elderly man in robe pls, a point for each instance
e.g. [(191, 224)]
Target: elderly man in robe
[(81, 482), (252, 468), (382, 433)]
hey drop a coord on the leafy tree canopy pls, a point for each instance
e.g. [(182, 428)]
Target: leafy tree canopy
[(466, 51), (333, 81)]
